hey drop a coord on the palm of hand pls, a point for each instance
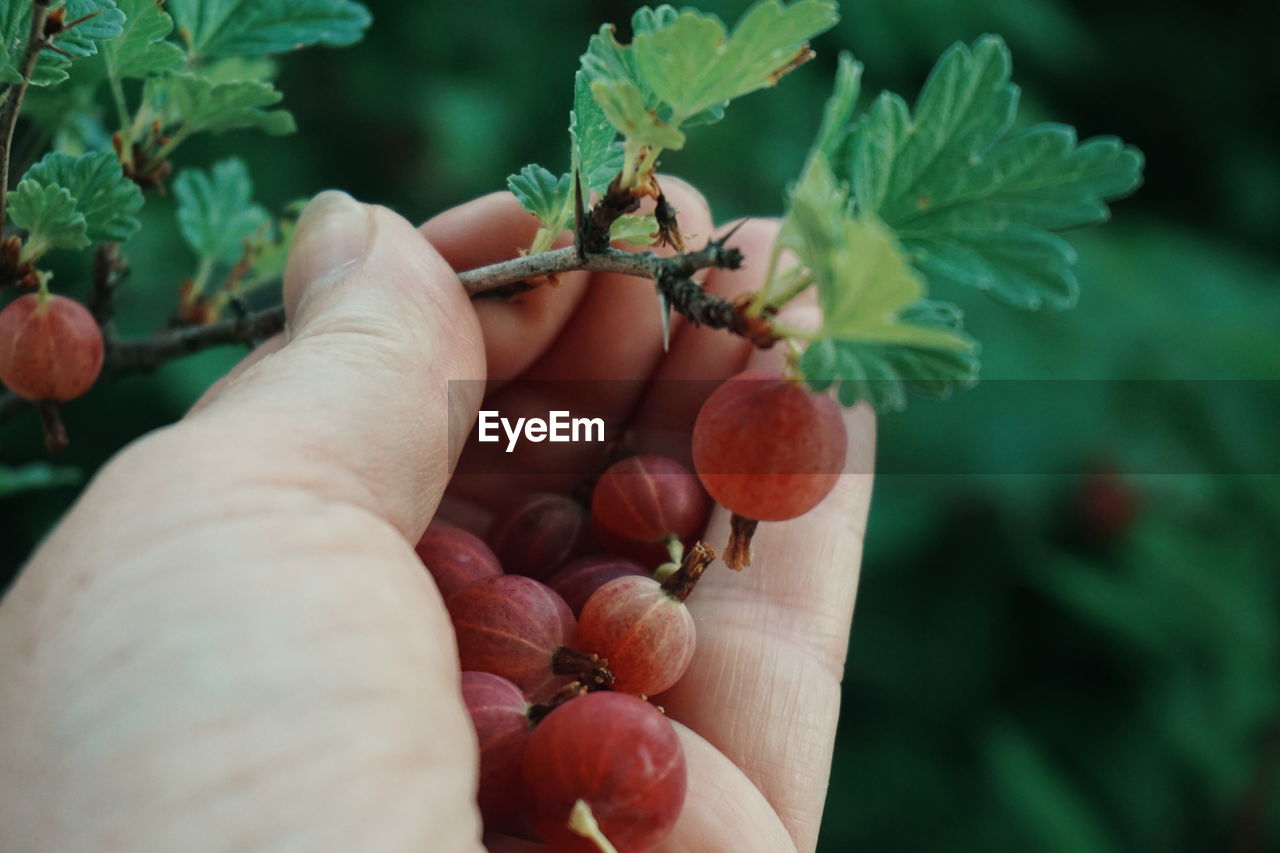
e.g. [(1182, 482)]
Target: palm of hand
[(758, 707)]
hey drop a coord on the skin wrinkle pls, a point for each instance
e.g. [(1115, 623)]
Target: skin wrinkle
[(722, 813), (767, 740), (365, 519), (149, 647)]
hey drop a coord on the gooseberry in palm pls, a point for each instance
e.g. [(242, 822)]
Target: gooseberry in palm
[(766, 447), (576, 581), (518, 628), (648, 499), (537, 534), (620, 759), (500, 715), (512, 626), (455, 558), (643, 630)]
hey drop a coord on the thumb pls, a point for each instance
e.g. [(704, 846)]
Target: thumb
[(358, 400)]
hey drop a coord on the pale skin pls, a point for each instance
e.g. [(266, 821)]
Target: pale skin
[(229, 643)]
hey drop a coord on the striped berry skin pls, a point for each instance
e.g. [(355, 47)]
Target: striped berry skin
[(622, 757), (645, 633), (648, 499), (455, 558), (537, 534), (576, 581), (50, 347), (500, 716), (512, 626), (768, 448)]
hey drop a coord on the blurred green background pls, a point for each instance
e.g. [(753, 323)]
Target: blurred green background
[(1079, 653)]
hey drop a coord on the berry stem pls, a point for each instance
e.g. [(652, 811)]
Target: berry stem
[(583, 823), (588, 667), (539, 710), (675, 549), (55, 431), (737, 553), (682, 581)]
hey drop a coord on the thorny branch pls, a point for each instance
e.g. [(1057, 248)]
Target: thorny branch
[(673, 276), (141, 355), (109, 270), (37, 40)]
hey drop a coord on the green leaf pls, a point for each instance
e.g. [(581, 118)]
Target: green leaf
[(141, 50), (272, 256), (82, 40), (882, 373), (692, 64), (37, 475), (636, 230), (15, 26), (540, 192), (624, 105), (197, 103), (878, 335), (107, 199), (260, 69), (972, 203), (837, 115), (681, 68), (216, 213), (863, 277), (594, 153), (71, 115), (257, 27), (49, 213)]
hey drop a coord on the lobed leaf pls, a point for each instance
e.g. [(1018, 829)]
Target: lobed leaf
[(974, 204), (682, 67), (199, 103), (103, 195), (692, 64), (49, 214), (214, 28), (82, 40), (102, 20), (141, 50), (882, 373), (878, 334), (216, 212), (837, 115), (624, 105), (540, 192), (594, 154)]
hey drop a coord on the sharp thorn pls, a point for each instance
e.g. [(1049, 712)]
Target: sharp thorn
[(579, 217), (729, 236), (664, 305)]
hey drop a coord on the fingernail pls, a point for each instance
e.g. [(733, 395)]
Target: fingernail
[(333, 234)]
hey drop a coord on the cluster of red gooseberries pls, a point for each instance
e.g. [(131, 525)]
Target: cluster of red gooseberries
[(561, 648)]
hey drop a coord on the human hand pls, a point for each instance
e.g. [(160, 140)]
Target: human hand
[(229, 643)]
